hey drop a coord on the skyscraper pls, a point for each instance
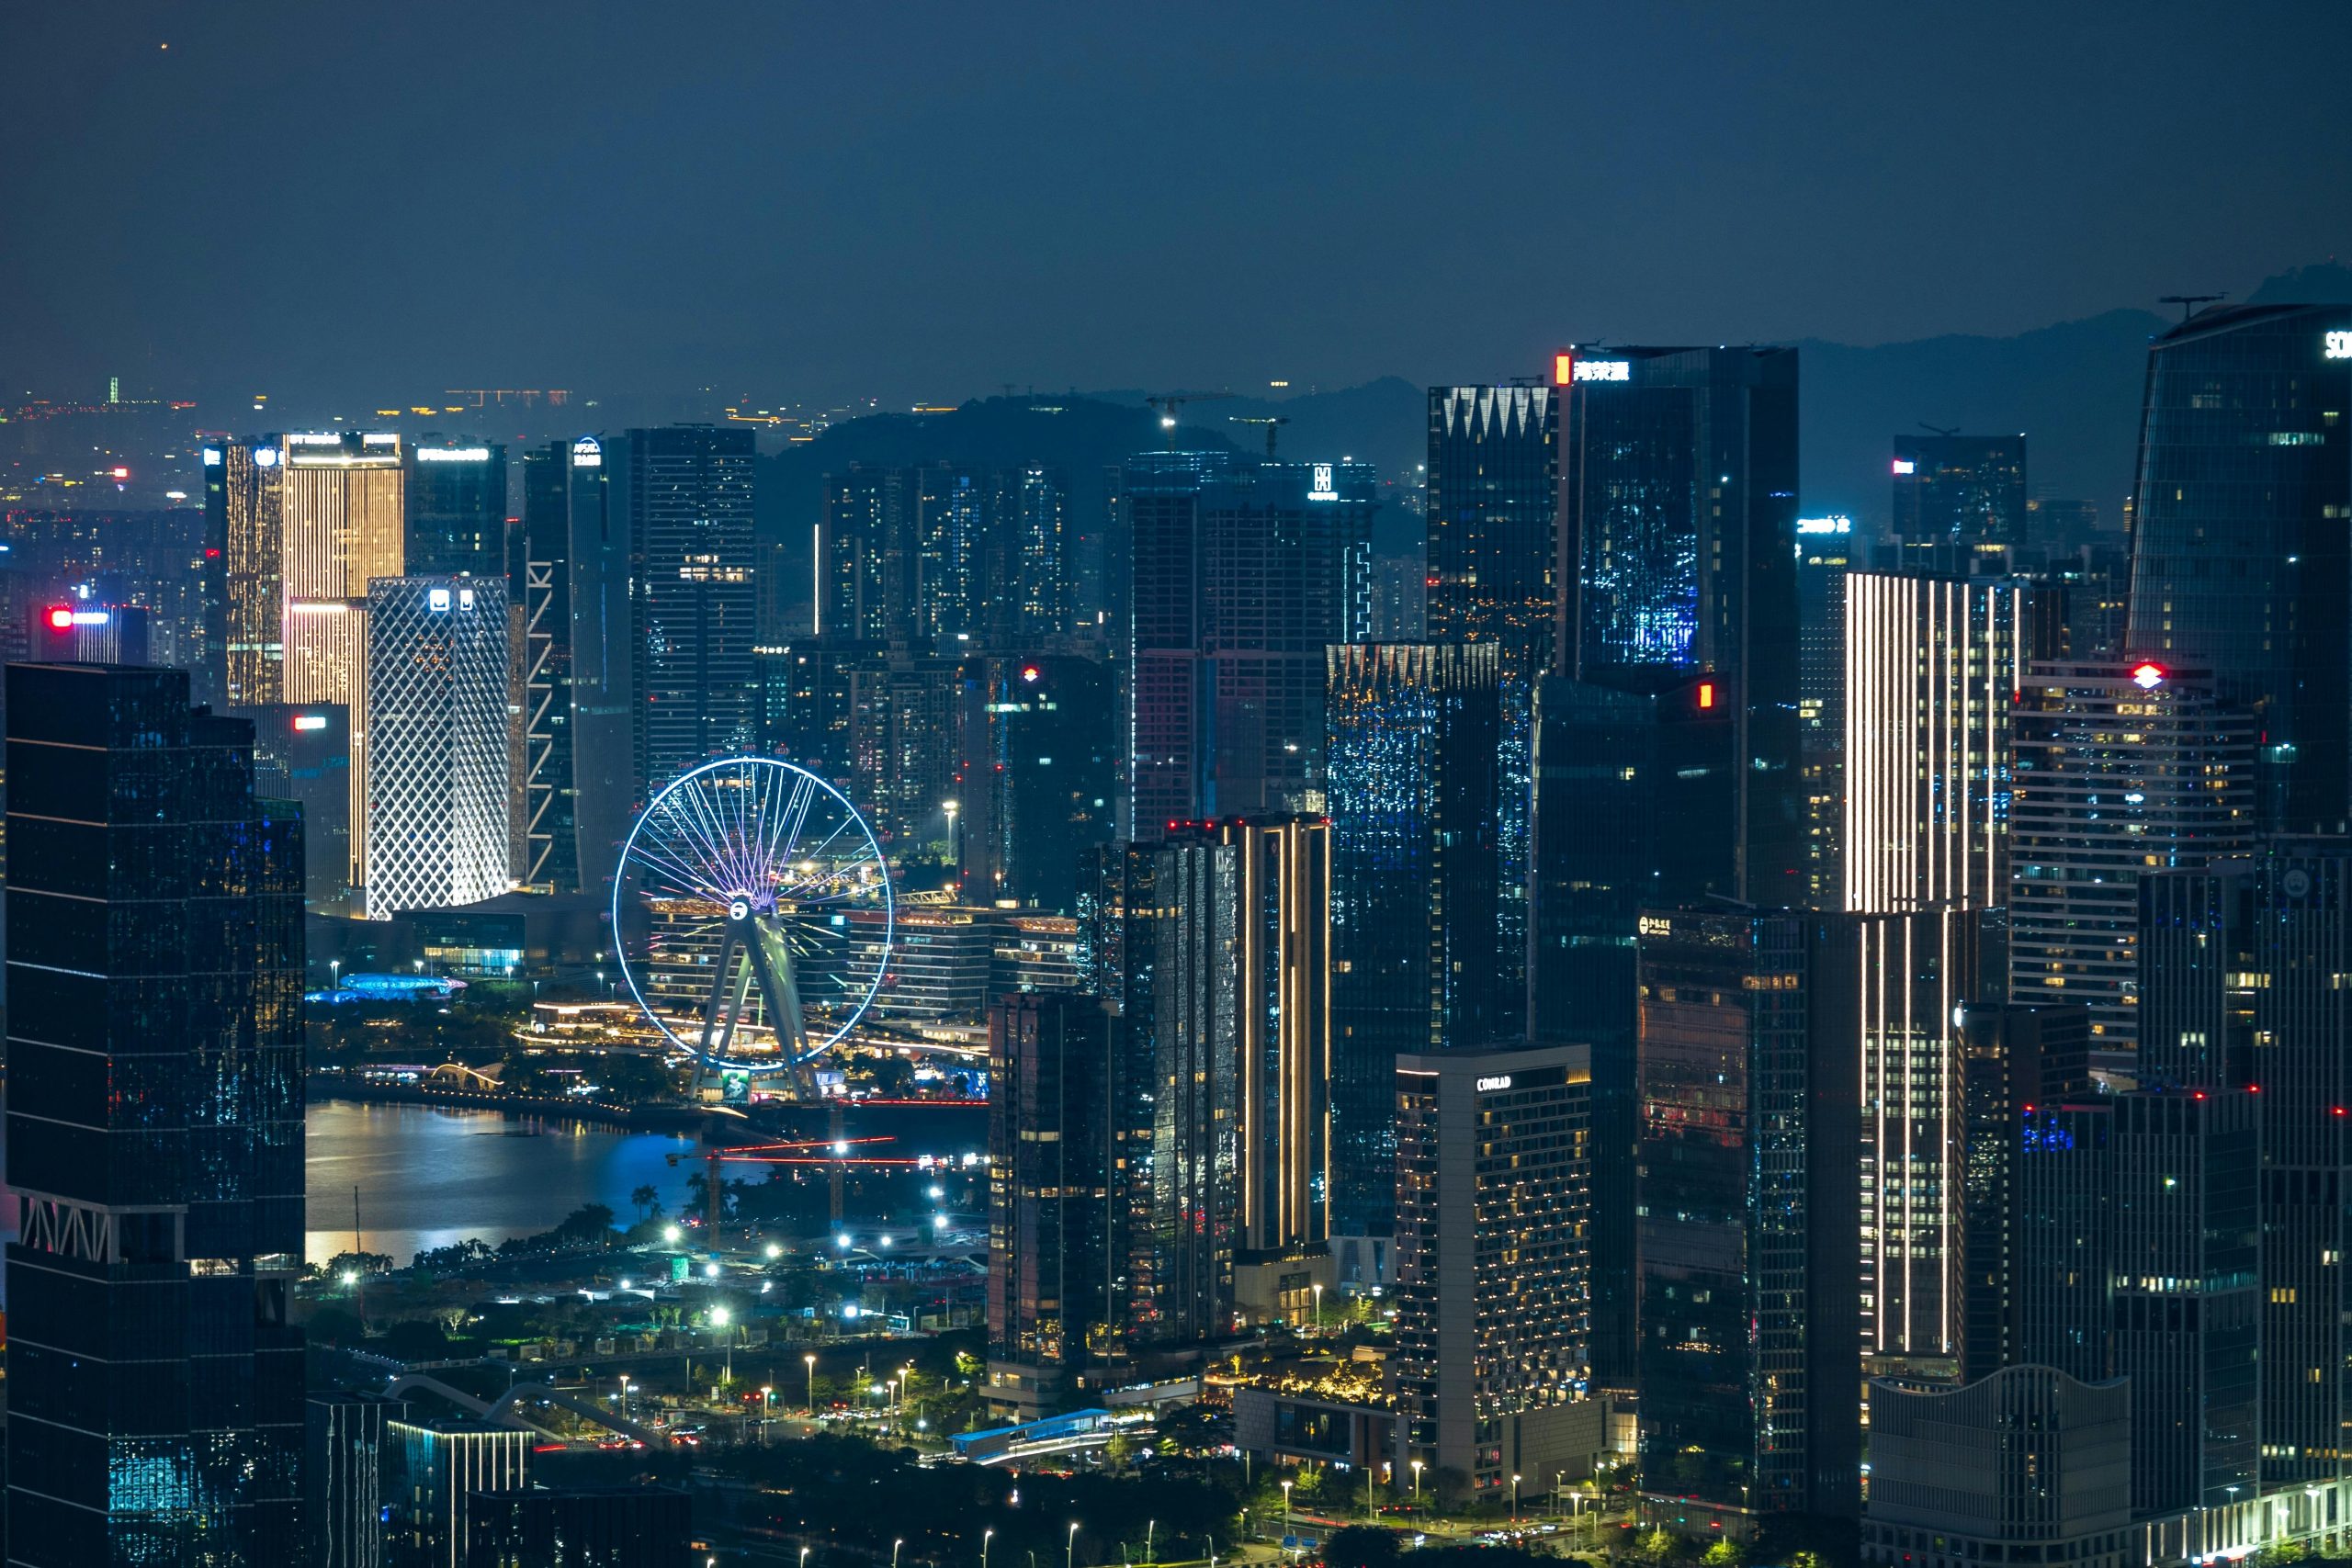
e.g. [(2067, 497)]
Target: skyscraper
[(1241, 1042), (453, 493), (1933, 670), (2189, 1288), (1677, 547), (1492, 1182), (154, 1129), (1825, 556), (306, 520), (1492, 496), (1960, 491), (1058, 1241), (1243, 577), (1411, 786), (2121, 770), (1750, 1322), (685, 492), (2240, 560), (1039, 754), (438, 794)]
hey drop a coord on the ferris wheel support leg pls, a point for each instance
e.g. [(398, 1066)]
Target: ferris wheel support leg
[(705, 1041), (771, 958)]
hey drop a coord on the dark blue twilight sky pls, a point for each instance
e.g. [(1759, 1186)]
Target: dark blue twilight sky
[(918, 201)]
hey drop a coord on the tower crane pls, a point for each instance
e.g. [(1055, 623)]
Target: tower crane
[(1272, 423), (1167, 404)]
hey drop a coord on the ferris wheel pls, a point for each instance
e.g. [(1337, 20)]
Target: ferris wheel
[(753, 916)]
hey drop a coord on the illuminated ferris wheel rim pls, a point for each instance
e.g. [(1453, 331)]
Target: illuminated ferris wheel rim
[(747, 893)]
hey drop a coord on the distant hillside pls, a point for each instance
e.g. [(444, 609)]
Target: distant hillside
[(2073, 387)]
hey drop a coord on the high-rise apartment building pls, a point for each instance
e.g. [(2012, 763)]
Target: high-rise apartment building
[(154, 1143), (1243, 576), (1750, 1117), (1060, 1160), (438, 788), (1960, 491), (2122, 770), (944, 551), (1933, 670), (1492, 1185), (1240, 996), (453, 493), (2241, 562), (1412, 784), (1491, 496), (685, 493)]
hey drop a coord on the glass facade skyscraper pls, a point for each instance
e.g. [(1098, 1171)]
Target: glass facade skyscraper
[(2242, 556), (1492, 499), (1962, 490), (1411, 786), (685, 492), (438, 796), (154, 1129), (455, 504)]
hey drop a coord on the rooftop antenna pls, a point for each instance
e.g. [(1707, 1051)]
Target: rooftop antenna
[(2188, 303)]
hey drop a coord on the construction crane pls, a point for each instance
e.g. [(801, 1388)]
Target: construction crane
[(832, 1152), (1272, 423), (2188, 303), (1167, 404)]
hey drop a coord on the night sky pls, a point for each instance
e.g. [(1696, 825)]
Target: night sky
[(919, 202)]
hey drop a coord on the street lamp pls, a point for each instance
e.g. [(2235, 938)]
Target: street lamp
[(1286, 1524), (984, 1547), (1070, 1547), (1416, 1483), (811, 1362), (1148, 1526), (804, 1557), (1514, 1498), (894, 1551), (1319, 1307)]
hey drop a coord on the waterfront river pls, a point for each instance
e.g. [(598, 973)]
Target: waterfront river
[(429, 1177)]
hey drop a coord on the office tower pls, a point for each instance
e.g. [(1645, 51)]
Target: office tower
[(1962, 490), (244, 510), (1411, 785), (2027, 1466), (1059, 1162), (2121, 770), (305, 521), (1636, 806), (347, 1468), (579, 780), (1243, 575), (1677, 547), (86, 632), (2097, 577), (1492, 1183), (437, 793), (439, 1467), (455, 494), (634, 1526), (1492, 495), (1933, 668), (302, 753), (154, 957), (2012, 1058), (1241, 1042), (1751, 1116), (1824, 555), (2239, 561), (685, 492), (2198, 975), (2062, 1298), (2302, 920), (1039, 765), (2187, 1261)]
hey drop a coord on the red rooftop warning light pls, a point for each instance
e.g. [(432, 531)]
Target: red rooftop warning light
[(2148, 677)]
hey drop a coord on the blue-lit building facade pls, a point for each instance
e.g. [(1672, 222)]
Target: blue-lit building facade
[(2241, 560), (156, 1146), (1411, 782), (1492, 498)]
